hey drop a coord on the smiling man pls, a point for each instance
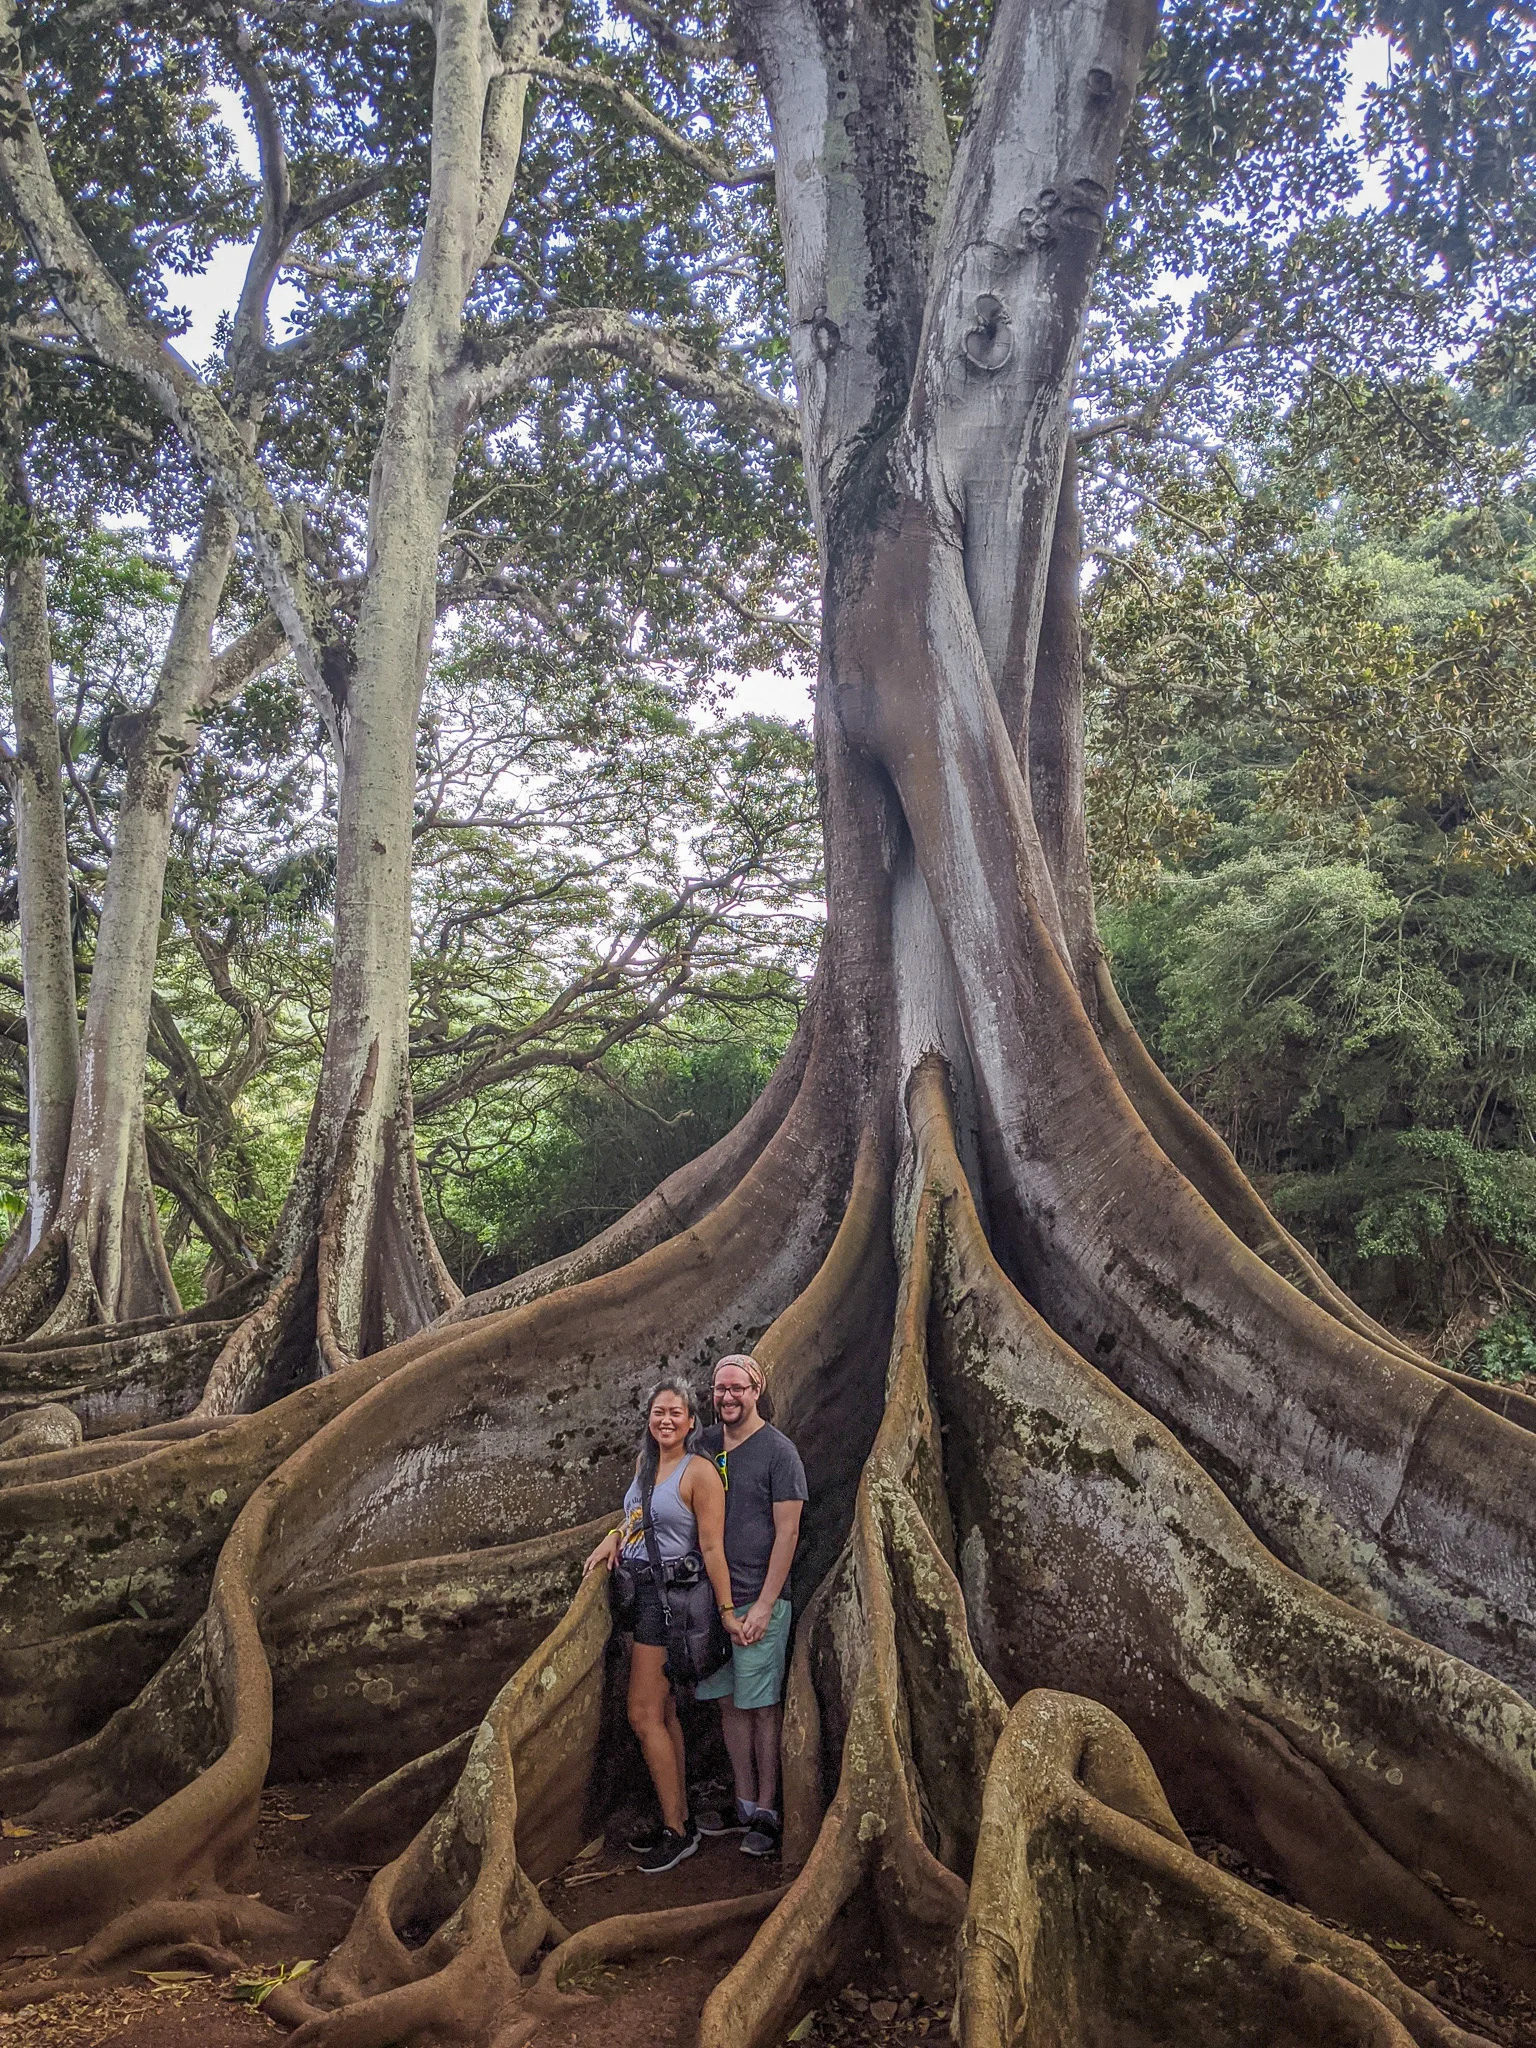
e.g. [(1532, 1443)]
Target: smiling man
[(765, 1492)]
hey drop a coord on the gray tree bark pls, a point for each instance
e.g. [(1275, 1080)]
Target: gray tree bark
[(381, 1277), (35, 776), (118, 1267)]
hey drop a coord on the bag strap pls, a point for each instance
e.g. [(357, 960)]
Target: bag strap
[(653, 1551)]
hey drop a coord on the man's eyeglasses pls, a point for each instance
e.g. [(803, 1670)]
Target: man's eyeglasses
[(726, 1388)]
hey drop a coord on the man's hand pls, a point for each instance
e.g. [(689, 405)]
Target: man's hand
[(606, 1554), (733, 1626), (754, 1623)]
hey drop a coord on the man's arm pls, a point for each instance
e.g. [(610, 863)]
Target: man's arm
[(786, 1539)]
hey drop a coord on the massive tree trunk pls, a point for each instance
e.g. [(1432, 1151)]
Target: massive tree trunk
[(36, 779), (1115, 1534)]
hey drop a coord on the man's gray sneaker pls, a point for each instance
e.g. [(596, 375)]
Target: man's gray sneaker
[(730, 1820), (764, 1837)]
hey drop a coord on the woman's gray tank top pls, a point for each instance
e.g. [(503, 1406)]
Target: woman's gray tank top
[(677, 1533)]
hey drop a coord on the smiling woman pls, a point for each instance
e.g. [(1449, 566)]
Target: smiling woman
[(671, 1535)]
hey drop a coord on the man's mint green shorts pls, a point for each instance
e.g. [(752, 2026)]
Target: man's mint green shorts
[(755, 1675)]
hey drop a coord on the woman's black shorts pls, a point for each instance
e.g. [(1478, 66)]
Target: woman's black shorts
[(650, 1628)]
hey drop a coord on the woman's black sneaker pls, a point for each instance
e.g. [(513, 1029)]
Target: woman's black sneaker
[(645, 1839), (669, 1851)]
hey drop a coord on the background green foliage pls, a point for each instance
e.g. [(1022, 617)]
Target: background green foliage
[(554, 1171), (1313, 738)]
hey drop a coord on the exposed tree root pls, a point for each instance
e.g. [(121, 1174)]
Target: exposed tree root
[(1091, 1919), (169, 1934), (385, 1664), (267, 1353), (524, 1817), (849, 1694), (97, 1263), (884, 1671), (370, 1590), (1097, 1557), (691, 1930), (104, 1567), (446, 1928), (47, 1427), (376, 1826), (33, 1287), (118, 1379)]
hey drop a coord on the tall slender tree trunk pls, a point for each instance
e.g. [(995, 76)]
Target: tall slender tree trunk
[(383, 1278), (108, 1214), (356, 1202), (102, 1259), (36, 780)]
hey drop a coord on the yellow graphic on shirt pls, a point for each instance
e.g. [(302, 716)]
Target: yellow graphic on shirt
[(633, 1529)]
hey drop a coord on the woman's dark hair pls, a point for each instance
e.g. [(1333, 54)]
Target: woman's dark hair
[(650, 1450)]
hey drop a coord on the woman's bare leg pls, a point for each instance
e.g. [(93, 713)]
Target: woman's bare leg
[(675, 1731), (653, 1716)]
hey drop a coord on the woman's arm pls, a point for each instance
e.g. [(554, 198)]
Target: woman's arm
[(704, 1493), (607, 1552)]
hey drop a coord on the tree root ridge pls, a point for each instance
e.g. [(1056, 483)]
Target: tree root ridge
[(1091, 1918), (1346, 1796), (467, 1882), (1350, 1457), (1210, 1168), (168, 1934), (1312, 1424), (1099, 1558)]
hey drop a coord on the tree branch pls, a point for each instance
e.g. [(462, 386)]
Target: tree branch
[(702, 49), (706, 161), (85, 290), (245, 658), (311, 213), (1141, 418), (665, 356), (176, 1174), (322, 13)]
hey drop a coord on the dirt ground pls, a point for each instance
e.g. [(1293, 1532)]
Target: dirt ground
[(651, 2003)]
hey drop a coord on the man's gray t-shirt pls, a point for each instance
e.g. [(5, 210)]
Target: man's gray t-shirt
[(764, 1469)]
